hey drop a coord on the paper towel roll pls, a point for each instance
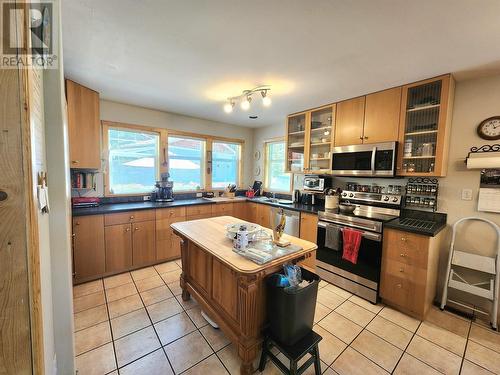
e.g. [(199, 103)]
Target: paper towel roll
[(483, 162)]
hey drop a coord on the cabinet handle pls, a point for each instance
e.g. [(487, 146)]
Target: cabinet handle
[(131, 217), (402, 255), (73, 235), (365, 137), (77, 223), (403, 239), (136, 228), (360, 137), (75, 161), (127, 230), (399, 285), (401, 270)]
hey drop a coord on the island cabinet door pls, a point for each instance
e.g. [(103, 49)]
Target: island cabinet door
[(143, 244), (199, 268), (118, 247), (225, 289)]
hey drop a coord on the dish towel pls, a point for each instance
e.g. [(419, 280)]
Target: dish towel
[(332, 237), (352, 240)]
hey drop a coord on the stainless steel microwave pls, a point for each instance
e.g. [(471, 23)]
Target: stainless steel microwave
[(376, 159)]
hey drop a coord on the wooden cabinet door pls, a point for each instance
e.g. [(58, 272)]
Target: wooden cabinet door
[(167, 243), (88, 246), (264, 215), (118, 247), (225, 288), (309, 232), (382, 116), (143, 243), (252, 212), (349, 122), (222, 209), (240, 210), (83, 126)]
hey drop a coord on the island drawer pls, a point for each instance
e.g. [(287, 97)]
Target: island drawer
[(129, 217), (200, 209), (170, 213)]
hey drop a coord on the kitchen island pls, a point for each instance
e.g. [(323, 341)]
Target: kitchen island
[(229, 288)]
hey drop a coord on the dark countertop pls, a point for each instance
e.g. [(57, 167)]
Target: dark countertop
[(438, 219), (134, 206)]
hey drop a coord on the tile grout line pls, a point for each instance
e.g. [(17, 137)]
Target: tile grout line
[(110, 328), (407, 345), (153, 324)]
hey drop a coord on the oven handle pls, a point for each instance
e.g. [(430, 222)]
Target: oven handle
[(368, 235), (374, 154)]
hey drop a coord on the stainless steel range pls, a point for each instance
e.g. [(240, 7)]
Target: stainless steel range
[(372, 210)]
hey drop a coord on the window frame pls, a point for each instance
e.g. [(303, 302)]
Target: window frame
[(163, 156), (266, 166)]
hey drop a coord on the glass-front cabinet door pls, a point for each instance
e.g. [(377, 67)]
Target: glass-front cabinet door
[(296, 142), (424, 128), (321, 140)]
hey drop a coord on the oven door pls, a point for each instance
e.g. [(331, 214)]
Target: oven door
[(376, 159), (369, 257)]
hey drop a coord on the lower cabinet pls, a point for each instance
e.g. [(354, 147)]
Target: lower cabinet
[(251, 214), (143, 243), (222, 209), (309, 232), (240, 210), (167, 243), (88, 247), (118, 247), (264, 215), (409, 270)]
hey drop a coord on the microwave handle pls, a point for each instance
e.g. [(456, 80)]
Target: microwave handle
[(374, 154)]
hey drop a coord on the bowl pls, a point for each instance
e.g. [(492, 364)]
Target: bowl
[(347, 207)]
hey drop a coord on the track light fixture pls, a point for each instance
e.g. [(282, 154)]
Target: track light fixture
[(246, 98)]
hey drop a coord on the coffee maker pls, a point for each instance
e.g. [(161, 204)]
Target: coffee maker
[(163, 192)]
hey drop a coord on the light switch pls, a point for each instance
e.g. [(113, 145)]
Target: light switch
[(466, 194)]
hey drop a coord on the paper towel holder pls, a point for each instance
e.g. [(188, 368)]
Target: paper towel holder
[(483, 157)]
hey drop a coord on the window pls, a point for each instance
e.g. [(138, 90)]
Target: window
[(186, 162), (225, 164), (133, 161), (275, 177)]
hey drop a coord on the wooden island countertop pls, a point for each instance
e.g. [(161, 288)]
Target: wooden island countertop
[(229, 288)]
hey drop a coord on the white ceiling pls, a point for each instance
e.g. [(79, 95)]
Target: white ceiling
[(187, 56)]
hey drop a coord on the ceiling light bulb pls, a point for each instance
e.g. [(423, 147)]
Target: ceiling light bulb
[(245, 104), (228, 107), (266, 100)]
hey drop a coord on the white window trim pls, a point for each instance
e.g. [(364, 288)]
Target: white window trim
[(266, 166)]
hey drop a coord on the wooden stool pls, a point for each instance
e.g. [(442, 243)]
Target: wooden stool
[(307, 345)]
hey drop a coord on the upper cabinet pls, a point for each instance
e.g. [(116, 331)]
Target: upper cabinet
[(83, 126), (382, 111), (425, 127), (296, 142), (349, 124), (310, 140), (319, 152)]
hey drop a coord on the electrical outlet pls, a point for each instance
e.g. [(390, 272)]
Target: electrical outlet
[(146, 197), (199, 195), (466, 194)]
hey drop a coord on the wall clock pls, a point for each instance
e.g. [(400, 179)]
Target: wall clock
[(489, 129)]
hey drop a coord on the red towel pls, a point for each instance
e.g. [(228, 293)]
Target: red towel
[(352, 240)]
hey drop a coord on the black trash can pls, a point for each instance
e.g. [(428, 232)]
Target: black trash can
[(290, 311)]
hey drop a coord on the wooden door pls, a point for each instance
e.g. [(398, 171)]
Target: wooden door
[(252, 215), (143, 243), (83, 126), (382, 116), (240, 210), (349, 122), (88, 247), (118, 240), (225, 288), (264, 215)]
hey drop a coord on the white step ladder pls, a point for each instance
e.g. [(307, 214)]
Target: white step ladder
[(487, 267)]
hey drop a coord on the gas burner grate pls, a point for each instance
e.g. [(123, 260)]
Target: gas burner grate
[(416, 223)]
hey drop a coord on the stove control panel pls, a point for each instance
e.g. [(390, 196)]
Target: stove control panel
[(392, 199)]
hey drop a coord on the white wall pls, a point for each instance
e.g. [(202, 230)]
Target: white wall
[(130, 114)]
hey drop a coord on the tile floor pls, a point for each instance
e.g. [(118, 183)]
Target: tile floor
[(137, 323)]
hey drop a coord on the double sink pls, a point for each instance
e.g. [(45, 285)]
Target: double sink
[(261, 199)]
